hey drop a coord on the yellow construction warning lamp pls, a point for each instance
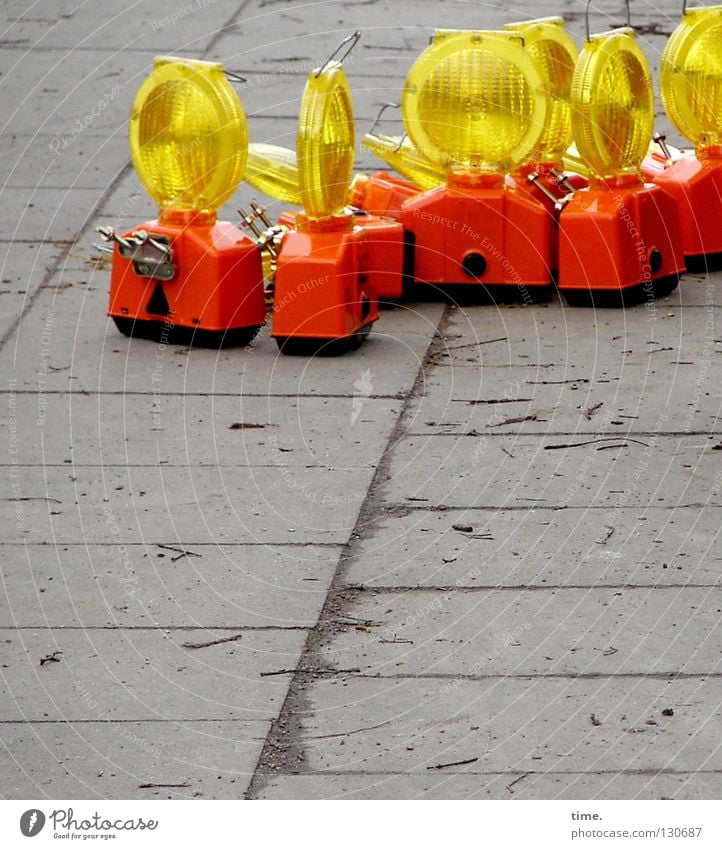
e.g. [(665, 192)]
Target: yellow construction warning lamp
[(691, 86), (186, 276), (555, 55), (474, 106), (325, 292), (619, 237)]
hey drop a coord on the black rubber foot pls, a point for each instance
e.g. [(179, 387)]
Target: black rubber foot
[(704, 263), (650, 291), (294, 346), (163, 332), (479, 294)]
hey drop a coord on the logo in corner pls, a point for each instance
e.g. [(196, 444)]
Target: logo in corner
[(32, 822)]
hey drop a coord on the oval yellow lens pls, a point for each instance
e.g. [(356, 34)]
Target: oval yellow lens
[(691, 76), (188, 135), (612, 104), (555, 54), (325, 145), (474, 100)]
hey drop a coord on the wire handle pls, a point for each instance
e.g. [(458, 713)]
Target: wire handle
[(381, 112), (629, 16), (234, 76), (351, 40)]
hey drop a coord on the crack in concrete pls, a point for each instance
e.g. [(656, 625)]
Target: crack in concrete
[(283, 752)]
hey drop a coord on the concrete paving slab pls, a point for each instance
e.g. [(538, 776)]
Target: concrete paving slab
[(119, 585), (160, 25), (183, 505), (45, 215), (129, 760), (491, 401), (145, 674), (512, 724), (177, 430), (68, 92), (91, 162), (536, 548), (643, 470), (495, 786), (549, 632), (579, 340), (24, 267), (70, 343)]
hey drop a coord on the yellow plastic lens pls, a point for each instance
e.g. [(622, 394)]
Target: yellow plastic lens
[(188, 135), (273, 170), (691, 76), (326, 142), (403, 157), (555, 55), (474, 100), (612, 104)]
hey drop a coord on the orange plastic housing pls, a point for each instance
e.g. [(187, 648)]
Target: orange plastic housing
[(481, 232), (620, 236), (381, 194), (327, 279), (696, 186), (215, 297)]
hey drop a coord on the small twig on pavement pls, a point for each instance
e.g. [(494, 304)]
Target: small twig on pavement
[(150, 786), (516, 781), (180, 551), (594, 442), (453, 763), (232, 639), (610, 532)]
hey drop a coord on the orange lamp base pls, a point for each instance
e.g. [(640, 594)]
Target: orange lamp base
[(381, 194), (209, 292), (325, 301), (619, 243), (483, 233), (696, 186)]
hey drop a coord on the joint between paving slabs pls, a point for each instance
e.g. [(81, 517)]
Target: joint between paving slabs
[(283, 751)]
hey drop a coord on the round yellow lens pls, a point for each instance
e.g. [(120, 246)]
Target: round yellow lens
[(325, 145), (188, 135), (612, 104), (474, 100), (691, 76), (556, 55)]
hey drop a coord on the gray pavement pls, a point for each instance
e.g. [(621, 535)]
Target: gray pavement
[(479, 558)]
